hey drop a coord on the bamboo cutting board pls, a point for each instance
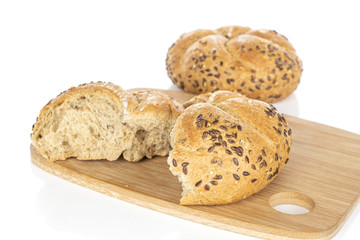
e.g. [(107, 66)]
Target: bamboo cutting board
[(323, 175)]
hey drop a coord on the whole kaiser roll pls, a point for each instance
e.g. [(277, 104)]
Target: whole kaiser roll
[(226, 147), (260, 64)]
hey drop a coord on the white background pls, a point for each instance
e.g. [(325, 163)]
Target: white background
[(48, 46)]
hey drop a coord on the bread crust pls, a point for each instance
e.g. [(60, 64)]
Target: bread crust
[(125, 114), (260, 64), (227, 147)]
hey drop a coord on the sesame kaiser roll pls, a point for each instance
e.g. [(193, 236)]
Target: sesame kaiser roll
[(261, 64), (226, 147)]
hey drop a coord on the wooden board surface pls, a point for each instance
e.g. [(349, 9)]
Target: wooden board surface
[(323, 175)]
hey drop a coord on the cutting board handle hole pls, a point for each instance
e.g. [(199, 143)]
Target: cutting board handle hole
[(291, 203)]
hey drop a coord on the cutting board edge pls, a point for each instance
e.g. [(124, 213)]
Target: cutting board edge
[(184, 212)]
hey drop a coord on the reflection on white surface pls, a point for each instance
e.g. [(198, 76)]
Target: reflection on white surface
[(173, 87), (291, 209), (289, 105), (71, 208), (90, 215)]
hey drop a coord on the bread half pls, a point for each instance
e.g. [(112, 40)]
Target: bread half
[(102, 121), (226, 147)]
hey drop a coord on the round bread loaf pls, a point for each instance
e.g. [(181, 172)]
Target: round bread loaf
[(102, 121), (227, 147), (261, 64)]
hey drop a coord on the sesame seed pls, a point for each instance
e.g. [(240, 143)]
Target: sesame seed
[(199, 124), (228, 152), (277, 130), (174, 163), (211, 149), (223, 127), (198, 183), (184, 164), (236, 177), (204, 135), (218, 177), (215, 122), (261, 165), (263, 152), (214, 183)]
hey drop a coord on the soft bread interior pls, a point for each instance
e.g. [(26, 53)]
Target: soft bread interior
[(150, 142), (151, 124), (92, 125), (86, 126)]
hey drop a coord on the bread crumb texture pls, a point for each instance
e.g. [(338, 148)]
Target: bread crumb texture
[(260, 64), (226, 147), (102, 121)]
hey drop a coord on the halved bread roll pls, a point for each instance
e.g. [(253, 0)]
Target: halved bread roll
[(227, 147), (102, 121)]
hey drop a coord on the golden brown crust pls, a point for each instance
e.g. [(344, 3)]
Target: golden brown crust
[(228, 148), (156, 105), (260, 64)]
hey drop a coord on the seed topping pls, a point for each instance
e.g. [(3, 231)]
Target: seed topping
[(236, 161), (214, 183), (198, 183)]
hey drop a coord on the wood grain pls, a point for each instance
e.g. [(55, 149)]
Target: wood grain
[(323, 174)]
